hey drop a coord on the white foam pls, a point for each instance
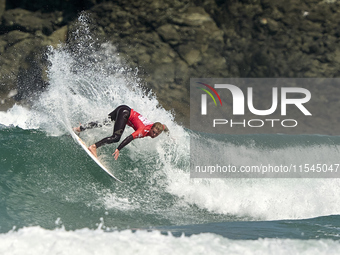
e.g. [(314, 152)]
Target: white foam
[(266, 199), (263, 199), (112, 201), (17, 116), (36, 240)]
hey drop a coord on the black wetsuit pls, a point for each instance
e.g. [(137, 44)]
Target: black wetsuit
[(120, 116)]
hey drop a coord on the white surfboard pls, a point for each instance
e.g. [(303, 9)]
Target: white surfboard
[(83, 145)]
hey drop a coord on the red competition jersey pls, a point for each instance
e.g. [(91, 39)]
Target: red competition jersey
[(140, 124)]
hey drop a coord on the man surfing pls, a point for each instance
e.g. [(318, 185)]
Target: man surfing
[(123, 115)]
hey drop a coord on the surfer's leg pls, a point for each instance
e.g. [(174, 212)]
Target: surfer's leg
[(122, 118), (121, 114), (113, 115), (93, 150), (90, 125), (93, 124)]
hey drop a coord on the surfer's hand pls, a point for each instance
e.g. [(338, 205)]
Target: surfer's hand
[(116, 154)]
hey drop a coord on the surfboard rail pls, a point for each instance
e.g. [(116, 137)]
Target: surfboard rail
[(95, 159)]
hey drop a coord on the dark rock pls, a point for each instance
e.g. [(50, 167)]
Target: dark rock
[(15, 36), (26, 21), (273, 26), (52, 5), (2, 7), (316, 17), (169, 34), (172, 40)]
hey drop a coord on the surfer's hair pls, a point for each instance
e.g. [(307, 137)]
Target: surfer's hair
[(161, 127)]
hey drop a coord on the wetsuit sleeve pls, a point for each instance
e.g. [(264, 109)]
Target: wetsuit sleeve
[(138, 133), (125, 142)]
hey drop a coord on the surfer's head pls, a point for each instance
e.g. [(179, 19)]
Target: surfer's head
[(158, 128)]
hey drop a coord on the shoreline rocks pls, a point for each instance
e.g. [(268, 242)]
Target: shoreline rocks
[(171, 41)]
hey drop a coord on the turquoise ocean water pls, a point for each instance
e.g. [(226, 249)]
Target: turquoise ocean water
[(54, 199)]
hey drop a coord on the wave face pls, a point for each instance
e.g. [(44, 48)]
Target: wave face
[(48, 181)]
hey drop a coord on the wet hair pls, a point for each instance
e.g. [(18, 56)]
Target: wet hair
[(161, 127)]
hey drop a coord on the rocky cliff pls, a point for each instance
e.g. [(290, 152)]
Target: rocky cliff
[(171, 41)]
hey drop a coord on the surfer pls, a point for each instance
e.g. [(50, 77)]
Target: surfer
[(123, 115)]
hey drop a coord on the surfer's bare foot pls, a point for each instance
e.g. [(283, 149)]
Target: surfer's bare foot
[(93, 149), (77, 129)]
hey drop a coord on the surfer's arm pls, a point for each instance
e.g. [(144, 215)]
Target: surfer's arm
[(125, 142)]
